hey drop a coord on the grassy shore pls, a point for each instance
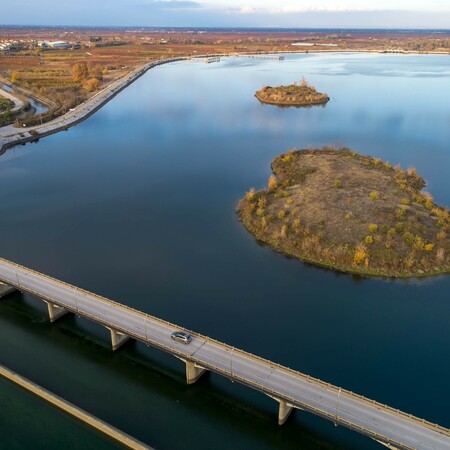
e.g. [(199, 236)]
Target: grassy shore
[(351, 213)]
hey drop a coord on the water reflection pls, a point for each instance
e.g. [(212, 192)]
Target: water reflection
[(138, 204)]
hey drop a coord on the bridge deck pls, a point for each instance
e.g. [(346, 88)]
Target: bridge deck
[(338, 405)]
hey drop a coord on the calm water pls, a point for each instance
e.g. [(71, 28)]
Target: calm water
[(137, 203)]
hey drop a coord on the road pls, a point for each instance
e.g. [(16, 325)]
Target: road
[(338, 405), (10, 135)]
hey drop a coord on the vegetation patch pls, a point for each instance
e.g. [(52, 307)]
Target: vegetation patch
[(297, 94), (5, 104), (352, 213)]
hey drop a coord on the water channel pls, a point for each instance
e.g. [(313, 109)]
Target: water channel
[(138, 204)]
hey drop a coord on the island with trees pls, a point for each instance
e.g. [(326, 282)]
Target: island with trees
[(297, 94), (352, 213)]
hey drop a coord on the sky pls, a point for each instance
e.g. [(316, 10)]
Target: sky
[(230, 13)]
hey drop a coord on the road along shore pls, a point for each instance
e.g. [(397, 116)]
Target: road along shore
[(11, 136), (72, 410)]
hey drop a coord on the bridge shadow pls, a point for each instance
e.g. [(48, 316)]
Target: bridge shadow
[(74, 343)]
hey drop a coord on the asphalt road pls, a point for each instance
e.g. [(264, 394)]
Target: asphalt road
[(9, 135), (301, 391)]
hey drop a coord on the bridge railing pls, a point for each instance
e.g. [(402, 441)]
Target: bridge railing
[(265, 361)]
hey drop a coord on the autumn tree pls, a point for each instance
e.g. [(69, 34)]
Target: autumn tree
[(15, 77), (91, 85), (79, 72)]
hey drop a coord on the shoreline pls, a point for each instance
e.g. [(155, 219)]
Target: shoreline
[(397, 237), (72, 410), (83, 111), (80, 113)]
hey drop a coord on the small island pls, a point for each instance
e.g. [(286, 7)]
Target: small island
[(297, 94), (352, 213)]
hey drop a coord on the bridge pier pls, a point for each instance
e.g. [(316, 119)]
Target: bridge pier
[(193, 371), (284, 410), (55, 312), (6, 289), (392, 447), (118, 338)]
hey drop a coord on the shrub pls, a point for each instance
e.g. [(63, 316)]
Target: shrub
[(250, 195), (400, 213), (391, 233), (411, 171), (262, 202), (408, 238), (440, 253), (348, 217), (373, 228), (418, 243), (360, 254), (399, 227), (406, 201), (337, 183), (79, 72), (296, 224), (91, 85), (441, 235), (374, 196), (368, 239), (428, 247), (15, 77), (281, 214), (273, 183)]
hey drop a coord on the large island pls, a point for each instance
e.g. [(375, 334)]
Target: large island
[(297, 94), (352, 213)]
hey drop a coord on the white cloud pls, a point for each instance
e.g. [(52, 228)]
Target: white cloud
[(247, 10)]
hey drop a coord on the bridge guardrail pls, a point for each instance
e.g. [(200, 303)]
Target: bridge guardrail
[(145, 339)]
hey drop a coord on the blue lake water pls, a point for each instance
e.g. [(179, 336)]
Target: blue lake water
[(138, 204)]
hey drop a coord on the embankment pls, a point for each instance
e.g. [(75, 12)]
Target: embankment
[(73, 410)]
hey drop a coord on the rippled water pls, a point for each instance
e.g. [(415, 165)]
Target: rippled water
[(137, 203)]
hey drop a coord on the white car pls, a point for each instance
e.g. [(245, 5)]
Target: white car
[(180, 336)]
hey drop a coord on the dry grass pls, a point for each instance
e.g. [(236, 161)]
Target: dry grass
[(297, 94), (346, 228)]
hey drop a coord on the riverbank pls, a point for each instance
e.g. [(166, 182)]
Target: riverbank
[(351, 213), (11, 136), (72, 410)]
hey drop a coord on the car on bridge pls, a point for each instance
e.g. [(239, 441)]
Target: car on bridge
[(180, 336)]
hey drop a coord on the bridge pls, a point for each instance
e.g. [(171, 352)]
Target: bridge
[(291, 389)]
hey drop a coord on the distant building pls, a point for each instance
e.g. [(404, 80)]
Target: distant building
[(59, 44)]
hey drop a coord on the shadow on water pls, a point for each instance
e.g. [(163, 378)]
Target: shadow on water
[(154, 374)]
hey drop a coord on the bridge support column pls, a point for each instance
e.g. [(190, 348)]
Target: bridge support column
[(118, 338), (283, 412), (55, 311), (6, 289), (193, 372)]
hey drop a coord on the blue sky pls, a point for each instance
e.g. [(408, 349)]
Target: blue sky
[(216, 13)]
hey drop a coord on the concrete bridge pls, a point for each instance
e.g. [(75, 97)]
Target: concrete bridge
[(291, 389)]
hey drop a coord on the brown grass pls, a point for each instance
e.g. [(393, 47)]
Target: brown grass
[(297, 94), (345, 228)]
